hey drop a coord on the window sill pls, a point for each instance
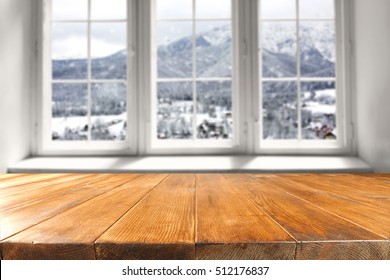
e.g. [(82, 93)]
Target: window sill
[(245, 164)]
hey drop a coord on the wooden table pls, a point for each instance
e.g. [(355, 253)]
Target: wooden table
[(194, 216)]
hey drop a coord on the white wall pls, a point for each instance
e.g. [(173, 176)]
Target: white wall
[(16, 50), (372, 35)]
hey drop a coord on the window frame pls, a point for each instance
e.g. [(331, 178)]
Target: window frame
[(45, 144), (153, 146), (342, 145), (246, 92)]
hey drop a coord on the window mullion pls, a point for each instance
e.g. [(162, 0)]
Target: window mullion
[(89, 65), (299, 111), (194, 57)]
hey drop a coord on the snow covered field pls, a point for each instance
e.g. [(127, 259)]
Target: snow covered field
[(175, 121), (103, 128)]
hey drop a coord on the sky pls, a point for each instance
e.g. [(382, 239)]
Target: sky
[(183, 9), (78, 9), (288, 8), (168, 32), (70, 39)]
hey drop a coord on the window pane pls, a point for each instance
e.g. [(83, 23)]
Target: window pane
[(280, 110), (279, 49), (213, 8), (282, 9), (214, 110), (113, 9), (318, 49), (69, 112), (316, 8), (174, 9), (69, 50), (70, 9), (214, 49), (175, 110), (174, 52), (109, 111), (319, 110), (109, 50)]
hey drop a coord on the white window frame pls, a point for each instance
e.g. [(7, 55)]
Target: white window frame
[(141, 89), (47, 146), (342, 145), (152, 145)]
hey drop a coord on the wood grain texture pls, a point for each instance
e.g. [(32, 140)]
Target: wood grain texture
[(382, 180), (34, 195), (28, 251), (9, 176), (351, 186), (11, 181), (161, 226), (310, 224), (246, 251), (144, 251), (20, 218), (48, 183), (373, 218), (225, 216), (188, 216), (63, 234), (352, 250), (359, 189), (303, 220)]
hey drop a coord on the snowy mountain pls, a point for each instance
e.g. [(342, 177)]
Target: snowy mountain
[(110, 67), (317, 49), (214, 56), (214, 106), (213, 51)]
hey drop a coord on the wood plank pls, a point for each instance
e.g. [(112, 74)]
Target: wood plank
[(382, 180), (161, 226), (247, 216), (367, 180), (21, 218), (9, 176), (375, 176), (29, 178), (307, 223), (64, 237), (371, 217), (356, 250), (54, 190), (229, 226), (355, 188), (347, 186), (19, 189), (352, 182)]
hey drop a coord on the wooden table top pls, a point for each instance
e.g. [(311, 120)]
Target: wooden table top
[(195, 216)]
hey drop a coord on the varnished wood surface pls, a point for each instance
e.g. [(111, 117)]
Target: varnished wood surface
[(225, 219), (195, 216), (33, 212), (164, 221)]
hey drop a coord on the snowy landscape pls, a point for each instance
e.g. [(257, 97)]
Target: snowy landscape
[(70, 112), (318, 98), (212, 117)]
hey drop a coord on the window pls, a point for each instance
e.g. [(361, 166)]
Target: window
[(194, 76), (89, 83), (298, 72)]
